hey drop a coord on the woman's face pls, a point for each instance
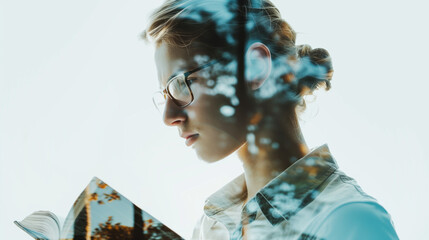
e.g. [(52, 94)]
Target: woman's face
[(210, 124)]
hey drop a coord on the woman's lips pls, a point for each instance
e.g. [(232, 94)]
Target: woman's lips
[(191, 139)]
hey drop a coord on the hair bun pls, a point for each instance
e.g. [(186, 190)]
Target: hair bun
[(319, 57)]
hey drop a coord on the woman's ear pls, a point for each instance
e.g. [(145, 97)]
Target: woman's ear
[(258, 65)]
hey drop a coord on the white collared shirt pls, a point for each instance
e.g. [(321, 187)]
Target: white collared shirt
[(310, 200)]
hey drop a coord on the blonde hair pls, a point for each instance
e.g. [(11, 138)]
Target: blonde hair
[(188, 23)]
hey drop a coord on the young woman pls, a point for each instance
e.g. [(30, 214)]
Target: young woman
[(233, 80)]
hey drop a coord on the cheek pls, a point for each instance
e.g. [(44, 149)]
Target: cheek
[(216, 118), (216, 144), (215, 110), (220, 135), (215, 101)]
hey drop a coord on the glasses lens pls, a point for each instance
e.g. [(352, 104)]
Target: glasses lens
[(179, 90), (159, 101)]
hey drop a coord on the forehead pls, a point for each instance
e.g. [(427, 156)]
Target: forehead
[(167, 62), (164, 52), (193, 54)]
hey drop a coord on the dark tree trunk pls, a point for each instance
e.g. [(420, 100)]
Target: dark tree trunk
[(138, 224), (80, 225)]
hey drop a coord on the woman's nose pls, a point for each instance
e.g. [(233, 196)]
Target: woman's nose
[(173, 115)]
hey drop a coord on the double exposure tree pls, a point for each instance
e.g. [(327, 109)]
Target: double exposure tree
[(82, 223), (109, 231)]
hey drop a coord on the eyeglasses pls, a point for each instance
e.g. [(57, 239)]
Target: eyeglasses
[(178, 89)]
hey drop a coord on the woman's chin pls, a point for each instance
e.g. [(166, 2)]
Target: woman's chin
[(209, 158), (212, 154), (209, 154)]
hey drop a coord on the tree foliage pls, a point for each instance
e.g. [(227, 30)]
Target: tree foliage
[(109, 231), (152, 231)]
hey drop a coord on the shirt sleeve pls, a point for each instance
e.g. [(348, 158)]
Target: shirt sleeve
[(355, 221)]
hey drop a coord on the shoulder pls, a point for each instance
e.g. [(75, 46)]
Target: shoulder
[(358, 220)]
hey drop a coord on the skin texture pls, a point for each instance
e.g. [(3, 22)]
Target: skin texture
[(218, 135)]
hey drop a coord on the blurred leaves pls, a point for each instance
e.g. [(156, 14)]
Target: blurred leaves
[(112, 196)]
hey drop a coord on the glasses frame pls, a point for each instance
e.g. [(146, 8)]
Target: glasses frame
[(165, 92)]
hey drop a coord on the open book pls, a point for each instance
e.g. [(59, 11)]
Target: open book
[(99, 213)]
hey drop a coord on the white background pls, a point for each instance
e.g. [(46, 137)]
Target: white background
[(75, 101)]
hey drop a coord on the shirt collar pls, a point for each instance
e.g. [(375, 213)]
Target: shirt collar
[(282, 197)]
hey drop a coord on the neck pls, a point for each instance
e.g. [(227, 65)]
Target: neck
[(275, 153)]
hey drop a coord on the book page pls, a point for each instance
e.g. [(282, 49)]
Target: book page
[(41, 225), (100, 212)]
